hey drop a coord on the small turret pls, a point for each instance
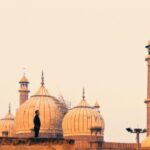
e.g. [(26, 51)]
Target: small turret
[(24, 92), (97, 106)]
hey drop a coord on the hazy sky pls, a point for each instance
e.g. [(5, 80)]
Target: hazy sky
[(95, 44)]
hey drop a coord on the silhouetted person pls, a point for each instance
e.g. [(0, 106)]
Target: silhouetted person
[(37, 123)]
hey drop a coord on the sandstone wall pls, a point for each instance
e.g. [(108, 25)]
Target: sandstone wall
[(83, 145), (60, 144), (36, 147), (118, 146), (35, 144)]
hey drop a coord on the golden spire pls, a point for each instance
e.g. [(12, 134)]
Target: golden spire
[(42, 79), (83, 96)]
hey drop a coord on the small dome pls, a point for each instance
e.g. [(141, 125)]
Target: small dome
[(80, 121), (24, 80), (7, 127)]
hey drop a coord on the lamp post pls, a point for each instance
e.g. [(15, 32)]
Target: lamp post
[(137, 131)]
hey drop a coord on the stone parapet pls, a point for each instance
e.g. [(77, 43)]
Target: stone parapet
[(14, 141), (118, 146)]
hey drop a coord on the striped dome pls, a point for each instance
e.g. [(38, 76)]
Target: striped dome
[(51, 115), (80, 120)]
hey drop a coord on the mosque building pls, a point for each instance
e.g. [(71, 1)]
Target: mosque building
[(51, 111), (82, 124)]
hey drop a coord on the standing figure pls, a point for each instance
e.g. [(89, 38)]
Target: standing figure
[(37, 123)]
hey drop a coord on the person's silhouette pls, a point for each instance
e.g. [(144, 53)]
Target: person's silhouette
[(37, 123)]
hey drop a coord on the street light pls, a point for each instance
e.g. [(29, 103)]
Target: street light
[(137, 131)]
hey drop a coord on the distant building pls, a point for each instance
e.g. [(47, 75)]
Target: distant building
[(51, 111), (62, 128)]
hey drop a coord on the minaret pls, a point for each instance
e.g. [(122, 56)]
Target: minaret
[(24, 91), (147, 101)]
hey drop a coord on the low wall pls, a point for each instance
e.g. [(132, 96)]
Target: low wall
[(118, 146), (60, 144), (35, 144), (97, 145)]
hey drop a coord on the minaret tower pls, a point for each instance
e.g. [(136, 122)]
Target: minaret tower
[(147, 101), (24, 91)]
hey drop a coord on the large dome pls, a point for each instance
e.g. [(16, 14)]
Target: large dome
[(7, 125), (82, 120), (51, 114)]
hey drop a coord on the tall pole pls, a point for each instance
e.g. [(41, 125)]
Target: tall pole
[(138, 140), (137, 131), (147, 101)]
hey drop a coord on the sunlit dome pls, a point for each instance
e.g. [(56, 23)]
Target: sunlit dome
[(7, 128), (24, 79), (82, 120), (51, 114)]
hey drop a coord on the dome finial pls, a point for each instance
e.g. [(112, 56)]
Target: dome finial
[(42, 78), (83, 96), (9, 110), (97, 105)]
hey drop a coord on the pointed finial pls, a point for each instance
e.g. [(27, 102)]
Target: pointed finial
[(83, 96), (9, 111), (42, 79), (148, 47)]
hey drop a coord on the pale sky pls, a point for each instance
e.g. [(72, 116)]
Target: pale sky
[(96, 44)]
